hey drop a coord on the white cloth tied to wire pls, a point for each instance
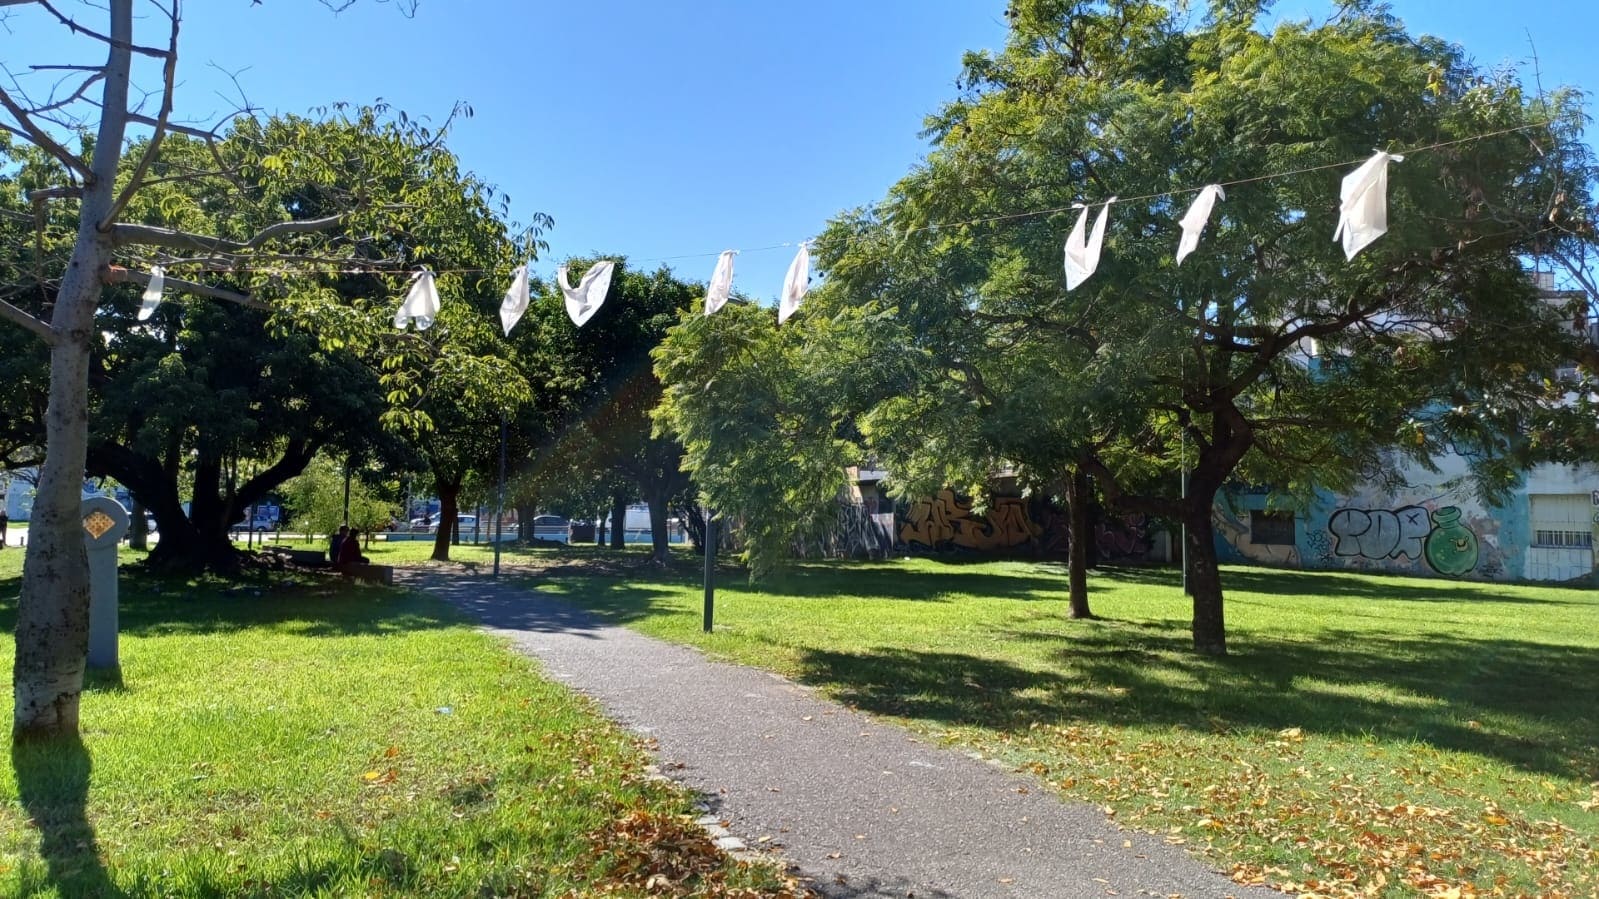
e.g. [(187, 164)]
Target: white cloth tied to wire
[(152, 292), (1193, 222), (421, 303), (1363, 204), (1082, 255), (795, 284), (721, 282), (516, 300), (586, 298)]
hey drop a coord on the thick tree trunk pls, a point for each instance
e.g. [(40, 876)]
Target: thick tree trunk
[(138, 528), (1204, 580), (52, 635), (525, 512), (660, 539), (449, 497), (618, 520), (1079, 494)]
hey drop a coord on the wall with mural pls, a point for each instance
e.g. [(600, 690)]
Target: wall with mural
[(1436, 527), (946, 522)]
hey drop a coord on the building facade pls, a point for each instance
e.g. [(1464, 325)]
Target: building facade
[(1435, 526)]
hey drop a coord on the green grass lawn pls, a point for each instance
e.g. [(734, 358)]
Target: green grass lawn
[(317, 739), (1368, 735)]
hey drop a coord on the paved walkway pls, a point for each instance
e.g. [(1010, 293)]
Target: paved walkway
[(862, 807)]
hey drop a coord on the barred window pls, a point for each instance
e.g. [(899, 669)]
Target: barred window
[(1563, 539), (1271, 528)]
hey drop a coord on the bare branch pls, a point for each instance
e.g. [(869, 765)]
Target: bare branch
[(116, 274), (74, 96), (169, 79), (18, 316), (55, 193), (73, 25), (127, 234), (37, 136)]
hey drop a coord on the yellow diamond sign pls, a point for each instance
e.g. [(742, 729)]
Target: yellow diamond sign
[(98, 523)]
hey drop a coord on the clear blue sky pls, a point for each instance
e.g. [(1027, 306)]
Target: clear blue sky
[(666, 128)]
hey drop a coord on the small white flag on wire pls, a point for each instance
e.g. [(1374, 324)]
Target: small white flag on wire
[(1082, 256), (1363, 204), (516, 300), (721, 286), (586, 298), (152, 292), (1198, 215), (795, 284), (421, 303)]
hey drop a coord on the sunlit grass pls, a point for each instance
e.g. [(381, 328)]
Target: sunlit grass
[(319, 739), (1395, 735)]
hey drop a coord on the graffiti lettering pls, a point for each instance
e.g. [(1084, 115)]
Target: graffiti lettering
[(1123, 538), (1441, 538), (1380, 533), (946, 521)]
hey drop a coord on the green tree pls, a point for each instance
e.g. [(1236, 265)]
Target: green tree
[(756, 409), (614, 431), (99, 189), (1433, 336)]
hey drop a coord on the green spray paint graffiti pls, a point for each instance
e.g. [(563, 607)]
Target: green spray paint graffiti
[(1451, 547), (1448, 546)]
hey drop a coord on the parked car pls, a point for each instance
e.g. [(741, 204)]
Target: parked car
[(552, 527), (262, 522)]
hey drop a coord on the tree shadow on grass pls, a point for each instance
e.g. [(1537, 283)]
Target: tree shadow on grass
[(1537, 707), (1392, 586), (887, 580), (53, 785), (154, 606)]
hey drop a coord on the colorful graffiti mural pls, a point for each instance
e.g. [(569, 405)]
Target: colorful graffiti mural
[(1122, 538), (1440, 538), (947, 521), (1235, 534)]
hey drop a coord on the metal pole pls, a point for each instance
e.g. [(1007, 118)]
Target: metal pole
[(1182, 380), (499, 502), (710, 568), (346, 491)]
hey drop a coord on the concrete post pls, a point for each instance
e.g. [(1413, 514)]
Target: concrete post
[(104, 524)]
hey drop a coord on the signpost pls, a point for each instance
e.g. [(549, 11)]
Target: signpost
[(104, 524)]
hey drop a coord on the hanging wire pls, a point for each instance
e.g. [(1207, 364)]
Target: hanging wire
[(311, 269)]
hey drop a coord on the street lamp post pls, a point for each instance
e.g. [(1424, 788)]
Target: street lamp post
[(499, 503), (710, 568)]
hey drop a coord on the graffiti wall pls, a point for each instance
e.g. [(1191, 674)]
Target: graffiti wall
[(1435, 526), (946, 522)]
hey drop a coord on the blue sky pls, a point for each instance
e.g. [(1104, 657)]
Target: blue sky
[(663, 129)]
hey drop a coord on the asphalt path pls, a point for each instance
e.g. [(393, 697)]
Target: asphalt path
[(861, 807)]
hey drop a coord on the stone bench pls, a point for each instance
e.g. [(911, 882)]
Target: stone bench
[(372, 574)]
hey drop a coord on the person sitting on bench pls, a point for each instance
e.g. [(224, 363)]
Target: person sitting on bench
[(350, 550)]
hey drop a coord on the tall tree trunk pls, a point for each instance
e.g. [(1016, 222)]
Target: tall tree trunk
[(618, 520), (1079, 494), (52, 635), (660, 539), (1204, 578), (449, 496), (138, 527), (526, 510)]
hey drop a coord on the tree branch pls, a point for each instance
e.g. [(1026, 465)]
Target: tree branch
[(116, 274), (126, 234), (37, 326), (73, 25), (31, 132), (169, 78)]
